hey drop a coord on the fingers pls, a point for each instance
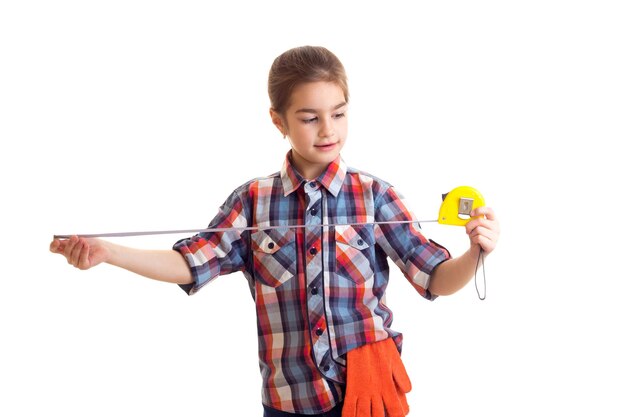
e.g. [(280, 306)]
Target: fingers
[(349, 406), (484, 211), (485, 238), (394, 405), (83, 257), (68, 246), (484, 229), (400, 376), (57, 246), (404, 402), (400, 405), (75, 253), (403, 383), (75, 250), (364, 407), (481, 231), (378, 408), (482, 216)]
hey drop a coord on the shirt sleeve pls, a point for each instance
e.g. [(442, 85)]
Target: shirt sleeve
[(210, 254), (416, 256)]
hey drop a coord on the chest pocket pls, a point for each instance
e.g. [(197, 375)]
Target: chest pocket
[(274, 255), (354, 252)]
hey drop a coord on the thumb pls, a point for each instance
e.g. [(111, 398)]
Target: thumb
[(401, 377), (57, 246), (403, 402)]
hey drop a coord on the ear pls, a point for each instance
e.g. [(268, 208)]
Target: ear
[(278, 122)]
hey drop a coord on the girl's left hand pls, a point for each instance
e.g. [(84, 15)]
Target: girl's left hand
[(484, 230)]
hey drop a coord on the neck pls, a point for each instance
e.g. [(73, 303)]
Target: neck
[(310, 171)]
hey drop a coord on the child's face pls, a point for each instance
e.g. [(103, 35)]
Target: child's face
[(316, 125)]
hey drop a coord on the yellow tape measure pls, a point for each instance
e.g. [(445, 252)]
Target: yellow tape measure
[(458, 204), (456, 210)]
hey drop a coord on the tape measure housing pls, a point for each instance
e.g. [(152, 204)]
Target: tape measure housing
[(457, 205)]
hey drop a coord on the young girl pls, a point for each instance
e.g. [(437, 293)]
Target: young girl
[(313, 241)]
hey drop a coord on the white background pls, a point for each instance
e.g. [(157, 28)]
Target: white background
[(131, 115)]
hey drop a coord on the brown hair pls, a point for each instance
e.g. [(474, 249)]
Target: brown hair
[(301, 65)]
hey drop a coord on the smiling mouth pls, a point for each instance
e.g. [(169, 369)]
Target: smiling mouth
[(326, 145)]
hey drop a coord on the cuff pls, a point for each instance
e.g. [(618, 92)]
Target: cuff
[(202, 262)]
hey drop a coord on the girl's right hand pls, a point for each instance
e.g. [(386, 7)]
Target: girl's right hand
[(80, 252)]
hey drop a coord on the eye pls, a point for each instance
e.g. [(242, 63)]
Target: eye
[(311, 120), (339, 115)]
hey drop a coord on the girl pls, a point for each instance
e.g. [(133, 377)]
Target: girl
[(313, 241)]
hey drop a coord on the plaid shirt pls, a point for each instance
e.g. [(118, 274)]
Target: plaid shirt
[(319, 291)]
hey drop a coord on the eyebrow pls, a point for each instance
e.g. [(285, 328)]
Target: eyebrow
[(305, 110)]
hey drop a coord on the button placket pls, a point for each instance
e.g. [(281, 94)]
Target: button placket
[(314, 270)]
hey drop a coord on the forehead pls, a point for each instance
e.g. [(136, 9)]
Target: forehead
[(318, 95)]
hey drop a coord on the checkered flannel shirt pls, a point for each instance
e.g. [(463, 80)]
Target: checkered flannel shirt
[(319, 291)]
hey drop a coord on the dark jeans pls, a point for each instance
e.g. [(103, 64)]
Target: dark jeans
[(270, 412)]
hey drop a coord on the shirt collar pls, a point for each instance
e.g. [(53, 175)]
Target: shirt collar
[(332, 177)]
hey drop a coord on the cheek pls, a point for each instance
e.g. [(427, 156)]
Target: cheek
[(301, 133), (297, 139), (343, 129)]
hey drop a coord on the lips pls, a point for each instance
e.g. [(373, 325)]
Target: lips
[(326, 146)]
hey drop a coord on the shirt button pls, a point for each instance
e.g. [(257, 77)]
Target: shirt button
[(319, 332), (359, 242), (270, 245), (312, 184), (313, 211), (312, 251), (314, 290), (326, 368)]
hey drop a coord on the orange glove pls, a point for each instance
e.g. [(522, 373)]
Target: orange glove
[(376, 382)]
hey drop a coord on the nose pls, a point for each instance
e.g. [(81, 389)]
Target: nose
[(326, 128)]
